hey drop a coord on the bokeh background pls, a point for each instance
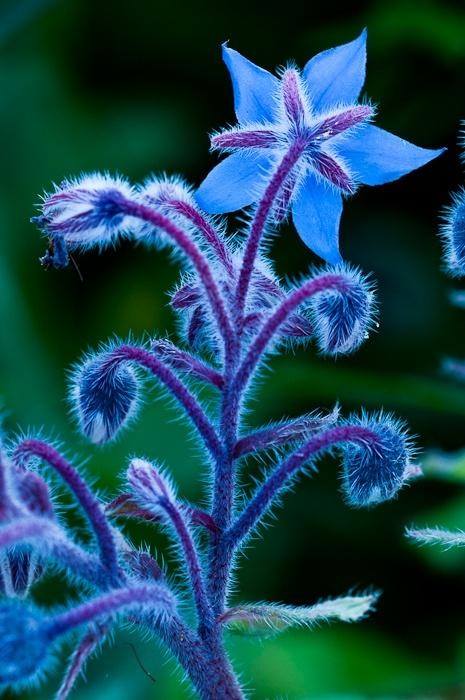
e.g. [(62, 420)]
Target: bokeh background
[(135, 88)]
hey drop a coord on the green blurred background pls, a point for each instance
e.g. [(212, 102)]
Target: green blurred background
[(135, 87)]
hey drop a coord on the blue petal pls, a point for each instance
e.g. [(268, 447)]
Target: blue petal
[(316, 213), (337, 75), (375, 156), (254, 88), (235, 183)]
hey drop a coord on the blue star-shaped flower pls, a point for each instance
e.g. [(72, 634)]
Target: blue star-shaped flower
[(313, 115)]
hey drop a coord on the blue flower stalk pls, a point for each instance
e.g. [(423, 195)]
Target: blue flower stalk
[(301, 144)]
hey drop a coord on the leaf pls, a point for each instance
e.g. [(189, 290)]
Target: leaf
[(268, 618), (449, 466), (437, 535)]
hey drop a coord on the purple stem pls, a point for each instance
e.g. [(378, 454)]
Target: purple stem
[(204, 611), (279, 477), (126, 506), (87, 500), (4, 498), (176, 387), (154, 597), (209, 232), (85, 648), (184, 361), (196, 324), (50, 540), (188, 246), (280, 315), (281, 434), (261, 215)]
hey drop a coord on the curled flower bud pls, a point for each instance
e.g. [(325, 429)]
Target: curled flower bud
[(343, 318), (453, 235), (375, 471), (24, 493), (165, 193), (151, 488), (87, 211), (104, 393), (25, 643)]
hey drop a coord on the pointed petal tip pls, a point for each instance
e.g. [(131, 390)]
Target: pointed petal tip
[(254, 87), (377, 157), (337, 75)]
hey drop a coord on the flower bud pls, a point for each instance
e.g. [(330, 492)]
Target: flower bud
[(105, 397), (375, 471), (453, 235), (25, 643), (165, 192), (151, 488), (26, 493), (343, 318), (87, 211)]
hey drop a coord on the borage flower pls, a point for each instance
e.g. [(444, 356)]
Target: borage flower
[(312, 119)]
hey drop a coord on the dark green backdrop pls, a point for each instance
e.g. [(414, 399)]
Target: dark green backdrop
[(135, 87)]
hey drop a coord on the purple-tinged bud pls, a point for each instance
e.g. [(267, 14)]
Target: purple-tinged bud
[(343, 317), (104, 394), (375, 471), (87, 211), (25, 643), (453, 235), (151, 488), (164, 192), (143, 565), (23, 493), (168, 195)]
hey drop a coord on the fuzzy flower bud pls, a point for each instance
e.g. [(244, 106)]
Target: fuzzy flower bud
[(87, 211), (24, 493), (453, 235), (343, 318), (165, 193), (374, 472), (151, 488), (25, 643), (104, 395)]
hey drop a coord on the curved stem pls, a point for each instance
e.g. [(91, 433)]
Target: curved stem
[(204, 611), (192, 214), (50, 541), (278, 479), (274, 322), (83, 494), (282, 433), (190, 249), (4, 499), (155, 597), (208, 669), (262, 213), (184, 361), (86, 647), (176, 387)]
